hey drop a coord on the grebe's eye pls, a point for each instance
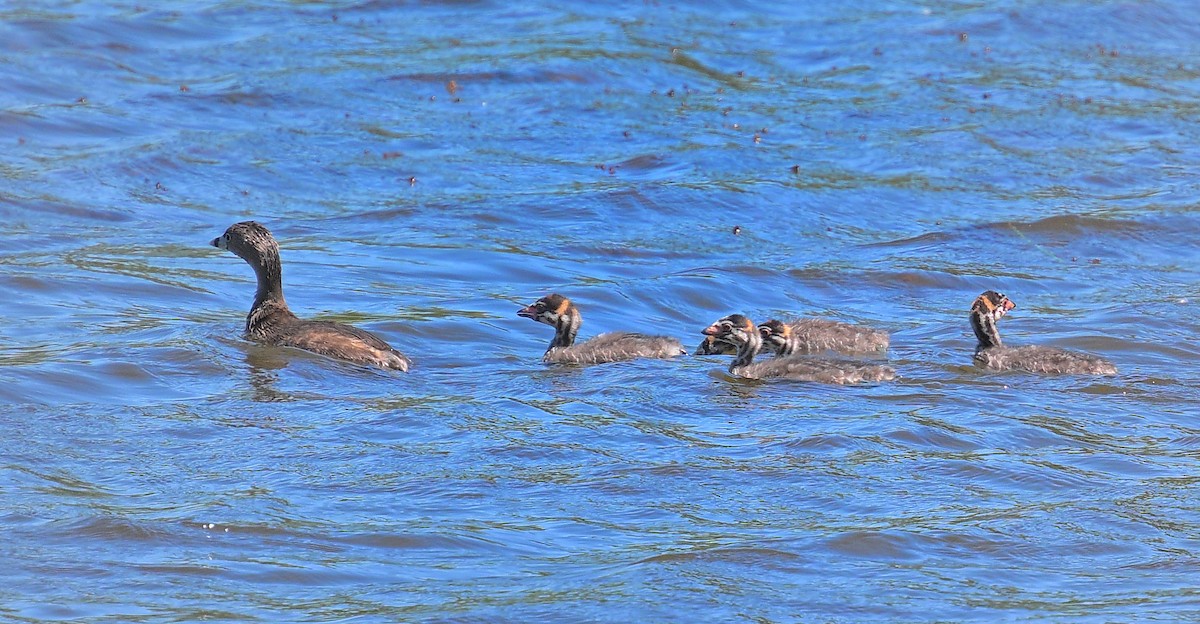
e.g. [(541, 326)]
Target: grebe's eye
[(226, 236)]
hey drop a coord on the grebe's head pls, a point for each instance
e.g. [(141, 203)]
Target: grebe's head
[(991, 304), (250, 241), (734, 329), (774, 334), (549, 310)]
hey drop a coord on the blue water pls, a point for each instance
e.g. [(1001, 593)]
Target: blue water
[(429, 168)]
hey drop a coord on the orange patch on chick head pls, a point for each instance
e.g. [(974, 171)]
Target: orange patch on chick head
[(992, 303), (775, 327)]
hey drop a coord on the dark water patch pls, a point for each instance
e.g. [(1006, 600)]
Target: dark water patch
[(648, 167), (1049, 478), (733, 554), (114, 529), (102, 258), (873, 545), (931, 439), (1074, 241), (60, 207), (464, 81), (106, 379), (1072, 226)]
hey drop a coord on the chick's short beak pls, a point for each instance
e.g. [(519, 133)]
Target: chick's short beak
[(527, 312), (711, 330), (216, 242)]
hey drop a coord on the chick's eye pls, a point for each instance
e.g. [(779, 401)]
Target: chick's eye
[(226, 236)]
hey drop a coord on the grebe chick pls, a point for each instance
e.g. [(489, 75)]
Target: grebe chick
[(271, 322), (739, 330), (558, 312), (812, 335), (988, 309)]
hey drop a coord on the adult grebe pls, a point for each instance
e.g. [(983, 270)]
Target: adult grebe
[(271, 322)]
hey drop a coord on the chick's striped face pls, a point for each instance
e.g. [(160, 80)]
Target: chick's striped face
[(547, 310), (774, 332), (734, 329), (993, 305)]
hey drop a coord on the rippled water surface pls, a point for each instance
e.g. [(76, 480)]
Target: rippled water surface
[(430, 167)]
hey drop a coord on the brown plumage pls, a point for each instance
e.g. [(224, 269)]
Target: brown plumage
[(739, 330), (271, 322), (987, 310), (560, 313), (812, 335)]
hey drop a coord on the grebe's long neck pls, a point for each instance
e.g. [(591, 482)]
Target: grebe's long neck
[(566, 328), (269, 309), (270, 278), (986, 329), (791, 344), (747, 350)]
